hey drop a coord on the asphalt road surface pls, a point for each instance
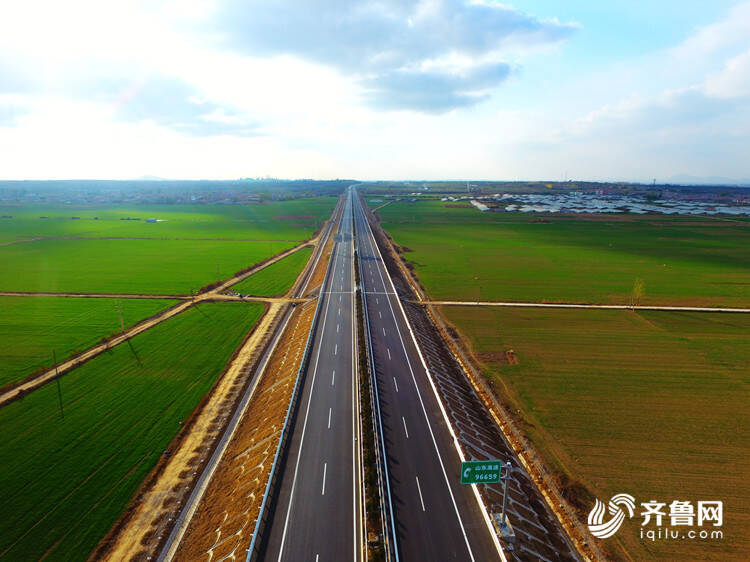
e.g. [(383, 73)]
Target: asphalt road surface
[(317, 516), (435, 517)]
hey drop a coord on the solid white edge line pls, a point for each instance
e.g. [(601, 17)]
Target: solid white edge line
[(483, 508)]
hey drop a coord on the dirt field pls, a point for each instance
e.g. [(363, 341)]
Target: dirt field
[(224, 521)]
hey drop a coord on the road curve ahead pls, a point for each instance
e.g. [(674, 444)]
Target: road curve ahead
[(434, 517), (317, 515)]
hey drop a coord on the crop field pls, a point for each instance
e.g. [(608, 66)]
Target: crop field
[(194, 246), (279, 220), (462, 254), (654, 404), (64, 481), (30, 328), (276, 279)]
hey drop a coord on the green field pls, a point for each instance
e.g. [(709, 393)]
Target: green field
[(181, 254), (64, 482), (462, 254), (276, 279), (654, 404), (31, 327), (281, 220)]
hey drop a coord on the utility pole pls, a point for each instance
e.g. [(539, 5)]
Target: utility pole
[(57, 378)]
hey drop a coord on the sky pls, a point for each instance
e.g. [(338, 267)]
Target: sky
[(394, 89)]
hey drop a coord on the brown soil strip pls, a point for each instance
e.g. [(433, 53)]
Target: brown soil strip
[(224, 521)]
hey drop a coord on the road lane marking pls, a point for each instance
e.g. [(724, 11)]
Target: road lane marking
[(380, 315), (339, 311), (329, 417), (395, 383), (304, 430), (389, 353), (370, 240), (336, 349), (333, 377), (383, 330), (405, 430), (419, 489), (323, 493), (337, 328)]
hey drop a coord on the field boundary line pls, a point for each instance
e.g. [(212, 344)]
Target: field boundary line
[(665, 308), (25, 387)]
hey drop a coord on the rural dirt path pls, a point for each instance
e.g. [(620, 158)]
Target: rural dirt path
[(210, 296), (214, 294), (593, 306)]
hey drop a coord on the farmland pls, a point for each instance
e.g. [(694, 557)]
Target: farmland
[(279, 220), (30, 328), (65, 478), (649, 403), (276, 279), (461, 254), (192, 247)]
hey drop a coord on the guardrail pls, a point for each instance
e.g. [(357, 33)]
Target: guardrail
[(260, 523), (386, 512)]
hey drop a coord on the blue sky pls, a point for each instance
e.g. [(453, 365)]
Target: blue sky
[(374, 90)]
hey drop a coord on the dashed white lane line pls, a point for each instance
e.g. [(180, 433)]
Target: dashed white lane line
[(336, 349), (402, 419), (377, 301), (339, 311), (337, 328), (329, 418), (379, 314), (323, 493), (395, 383), (419, 489), (389, 353), (383, 331), (333, 378)]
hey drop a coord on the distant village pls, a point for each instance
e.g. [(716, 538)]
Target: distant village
[(600, 200)]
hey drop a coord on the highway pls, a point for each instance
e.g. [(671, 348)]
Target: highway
[(317, 513), (434, 517)]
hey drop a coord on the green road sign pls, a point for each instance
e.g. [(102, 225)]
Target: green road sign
[(481, 472)]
